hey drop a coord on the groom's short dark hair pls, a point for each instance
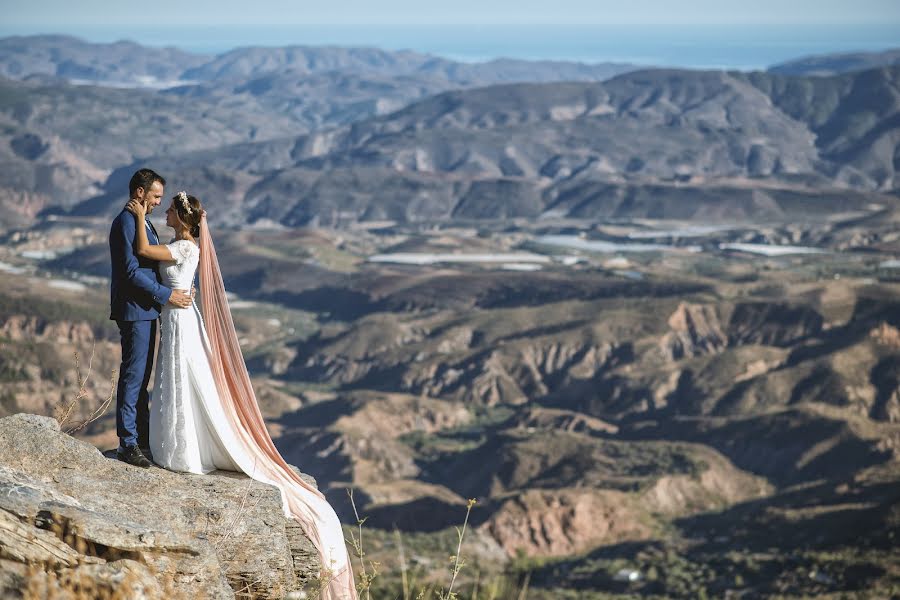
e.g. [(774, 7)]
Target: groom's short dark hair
[(144, 178)]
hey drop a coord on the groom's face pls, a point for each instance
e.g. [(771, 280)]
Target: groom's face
[(151, 197)]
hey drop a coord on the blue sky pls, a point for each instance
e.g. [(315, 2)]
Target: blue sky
[(258, 12)]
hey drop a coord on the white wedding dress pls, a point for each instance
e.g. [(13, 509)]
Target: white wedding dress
[(191, 432), (187, 433)]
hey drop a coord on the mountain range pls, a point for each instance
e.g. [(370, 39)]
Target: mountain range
[(832, 64), (292, 135), (744, 146)]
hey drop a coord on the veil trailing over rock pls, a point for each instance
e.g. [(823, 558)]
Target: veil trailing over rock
[(257, 455)]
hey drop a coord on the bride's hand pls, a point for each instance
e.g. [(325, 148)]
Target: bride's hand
[(136, 208)]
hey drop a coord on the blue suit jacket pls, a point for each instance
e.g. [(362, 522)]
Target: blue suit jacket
[(135, 291)]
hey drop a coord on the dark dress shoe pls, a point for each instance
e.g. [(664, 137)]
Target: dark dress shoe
[(133, 456), (147, 454)]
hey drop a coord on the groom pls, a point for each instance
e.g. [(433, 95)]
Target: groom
[(136, 296)]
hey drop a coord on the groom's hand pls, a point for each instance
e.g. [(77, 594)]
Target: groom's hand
[(180, 299)]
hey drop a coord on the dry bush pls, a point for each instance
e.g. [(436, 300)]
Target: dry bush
[(62, 411)]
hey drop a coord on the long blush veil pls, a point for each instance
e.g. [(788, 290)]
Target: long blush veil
[(257, 455)]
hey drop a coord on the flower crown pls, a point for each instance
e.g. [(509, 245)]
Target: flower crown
[(183, 198)]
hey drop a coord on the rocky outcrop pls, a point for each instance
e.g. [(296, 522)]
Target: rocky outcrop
[(26, 327), (695, 330), (570, 520), (360, 436), (72, 519), (563, 522), (43, 357), (456, 364), (563, 420), (719, 485), (772, 323), (516, 372)]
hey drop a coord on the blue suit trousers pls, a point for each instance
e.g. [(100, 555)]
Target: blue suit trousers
[(132, 397)]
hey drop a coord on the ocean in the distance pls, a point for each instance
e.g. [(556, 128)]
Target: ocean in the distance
[(697, 46)]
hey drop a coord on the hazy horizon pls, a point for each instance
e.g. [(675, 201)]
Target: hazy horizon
[(730, 46)]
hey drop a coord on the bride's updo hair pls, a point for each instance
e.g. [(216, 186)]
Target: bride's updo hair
[(189, 209)]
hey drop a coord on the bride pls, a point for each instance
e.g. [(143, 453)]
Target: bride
[(204, 414)]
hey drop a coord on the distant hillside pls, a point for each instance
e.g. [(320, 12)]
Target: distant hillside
[(658, 143), (59, 142), (120, 63), (244, 63), (301, 135), (322, 87), (126, 63), (832, 64), (854, 117), (314, 86), (656, 123)]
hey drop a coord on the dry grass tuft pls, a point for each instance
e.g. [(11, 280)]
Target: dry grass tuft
[(457, 559), (366, 577), (63, 411)]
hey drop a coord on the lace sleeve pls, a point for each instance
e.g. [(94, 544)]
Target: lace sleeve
[(181, 250)]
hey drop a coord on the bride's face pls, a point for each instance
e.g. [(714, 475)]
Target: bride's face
[(172, 219)]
